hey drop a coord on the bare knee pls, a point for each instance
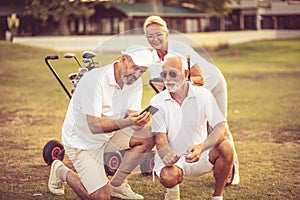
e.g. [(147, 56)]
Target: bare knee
[(144, 139), (148, 143), (171, 176), (102, 193), (224, 149)]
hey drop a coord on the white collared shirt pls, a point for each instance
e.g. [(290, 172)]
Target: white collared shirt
[(97, 94), (185, 124)]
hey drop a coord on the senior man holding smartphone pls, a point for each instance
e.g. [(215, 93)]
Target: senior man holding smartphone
[(96, 122)]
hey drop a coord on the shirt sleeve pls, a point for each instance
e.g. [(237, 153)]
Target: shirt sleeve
[(192, 53), (91, 97), (195, 57), (183, 49), (212, 111)]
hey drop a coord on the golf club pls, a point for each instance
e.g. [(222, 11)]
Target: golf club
[(152, 84), (188, 57), (89, 55), (72, 55), (55, 57)]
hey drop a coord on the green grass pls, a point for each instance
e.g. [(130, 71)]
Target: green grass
[(264, 89), (264, 95)]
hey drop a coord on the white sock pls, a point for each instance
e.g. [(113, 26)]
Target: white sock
[(62, 172), (175, 188), (119, 178), (217, 198), (173, 193)]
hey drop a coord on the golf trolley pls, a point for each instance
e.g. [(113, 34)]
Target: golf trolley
[(54, 150)]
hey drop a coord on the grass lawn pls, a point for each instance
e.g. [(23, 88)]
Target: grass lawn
[(264, 111)]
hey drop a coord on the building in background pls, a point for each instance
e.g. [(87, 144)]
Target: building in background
[(113, 17), (245, 15), (263, 14)]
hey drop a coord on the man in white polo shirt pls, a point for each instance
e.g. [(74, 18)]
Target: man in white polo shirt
[(103, 116), (183, 145)]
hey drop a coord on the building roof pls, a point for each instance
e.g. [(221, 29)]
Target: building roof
[(282, 8), (243, 4), (146, 9), (269, 7)]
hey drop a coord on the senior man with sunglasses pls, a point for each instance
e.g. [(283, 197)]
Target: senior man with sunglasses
[(179, 126)]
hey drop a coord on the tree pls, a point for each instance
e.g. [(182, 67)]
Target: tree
[(58, 10)]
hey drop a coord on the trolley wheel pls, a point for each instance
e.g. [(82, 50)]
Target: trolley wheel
[(53, 150), (230, 177), (147, 165), (112, 161)]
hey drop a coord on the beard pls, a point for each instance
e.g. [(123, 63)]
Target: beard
[(173, 86), (129, 79)]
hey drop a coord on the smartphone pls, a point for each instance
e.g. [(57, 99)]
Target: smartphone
[(150, 109)]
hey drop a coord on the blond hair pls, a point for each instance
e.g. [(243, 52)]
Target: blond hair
[(155, 20)]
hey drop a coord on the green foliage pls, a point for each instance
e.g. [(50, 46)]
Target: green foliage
[(56, 9)]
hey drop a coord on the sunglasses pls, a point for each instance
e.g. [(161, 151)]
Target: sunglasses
[(172, 74)]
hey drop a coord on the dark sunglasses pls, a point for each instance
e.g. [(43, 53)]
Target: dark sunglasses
[(172, 74)]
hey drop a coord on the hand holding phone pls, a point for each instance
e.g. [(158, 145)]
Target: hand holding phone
[(150, 109)]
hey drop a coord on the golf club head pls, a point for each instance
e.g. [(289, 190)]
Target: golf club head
[(52, 57), (72, 55), (72, 76), (88, 54), (81, 71), (86, 60), (74, 79), (92, 64), (69, 55), (97, 64)]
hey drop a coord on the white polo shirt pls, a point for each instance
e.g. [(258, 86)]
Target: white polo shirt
[(185, 125), (97, 94), (210, 72)]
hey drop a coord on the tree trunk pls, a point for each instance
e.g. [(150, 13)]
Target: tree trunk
[(63, 26)]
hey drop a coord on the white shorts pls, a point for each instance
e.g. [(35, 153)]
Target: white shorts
[(203, 166), (89, 164), (199, 168)]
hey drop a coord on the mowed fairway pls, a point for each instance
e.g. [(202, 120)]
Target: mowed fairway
[(264, 105)]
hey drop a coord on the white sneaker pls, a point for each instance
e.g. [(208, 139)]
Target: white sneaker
[(236, 179), (172, 195), (55, 185), (124, 191)]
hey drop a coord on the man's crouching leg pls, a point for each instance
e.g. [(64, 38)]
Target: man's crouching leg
[(102, 193), (140, 145), (170, 176), (222, 158)]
